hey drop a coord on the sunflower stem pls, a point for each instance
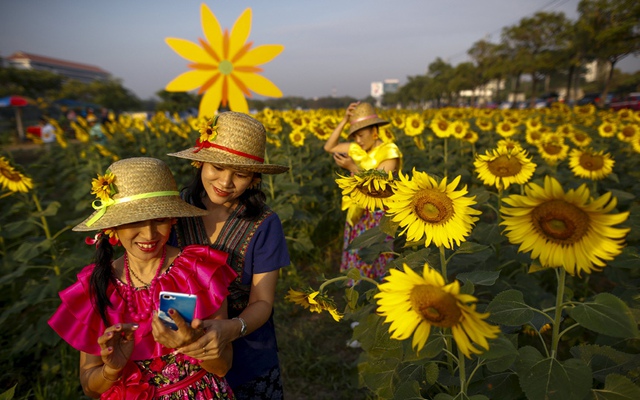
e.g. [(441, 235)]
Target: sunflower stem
[(443, 263), (555, 338), (444, 164), (462, 372), (343, 278)]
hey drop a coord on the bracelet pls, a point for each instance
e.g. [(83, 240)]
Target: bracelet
[(105, 377), (243, 327)]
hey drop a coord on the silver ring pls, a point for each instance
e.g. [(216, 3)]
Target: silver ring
[(204, 350)]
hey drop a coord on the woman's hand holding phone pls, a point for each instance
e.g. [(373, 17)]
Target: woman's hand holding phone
[(168, 317)]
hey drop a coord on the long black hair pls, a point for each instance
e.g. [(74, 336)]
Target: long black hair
[(101, 276), (253, 198)]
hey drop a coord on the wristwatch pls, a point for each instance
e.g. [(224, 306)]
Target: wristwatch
[(243, 328)]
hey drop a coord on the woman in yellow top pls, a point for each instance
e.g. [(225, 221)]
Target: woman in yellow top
[(364, 151)]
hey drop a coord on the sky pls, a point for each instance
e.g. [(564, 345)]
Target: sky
[(331, 47)]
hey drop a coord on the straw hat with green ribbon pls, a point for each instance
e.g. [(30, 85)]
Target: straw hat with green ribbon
[(134, 190), (233, 140), (364, 115)]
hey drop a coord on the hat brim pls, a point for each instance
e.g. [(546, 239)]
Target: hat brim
[(374, 121), (141, 210), (225, 160)]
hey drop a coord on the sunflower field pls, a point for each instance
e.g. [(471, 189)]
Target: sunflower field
[(515, 238)]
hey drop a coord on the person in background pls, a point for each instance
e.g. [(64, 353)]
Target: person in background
[(47, 131), (364, 150), (95, 129), (109, 314), (229, 159)]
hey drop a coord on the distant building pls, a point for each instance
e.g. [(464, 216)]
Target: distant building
[(379, 89), (390, 85), (81, 72)]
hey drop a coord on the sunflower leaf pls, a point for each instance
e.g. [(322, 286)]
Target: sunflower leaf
[(550, 379), (607, 315), (605, 361), (485, 278), (509, 308), (617, 387)]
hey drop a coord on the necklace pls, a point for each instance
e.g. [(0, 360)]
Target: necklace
[(138, 278), (140, 309)]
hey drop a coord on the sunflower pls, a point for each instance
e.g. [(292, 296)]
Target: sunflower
[(580, 138), (590, 164), (459, 129), (628, 132), (502, 167), (509, 144), (304, 299), (570, 230), (484, 124), (13, 180), (534, 137), (314, 301), (440, 127), (412, 304), (398, 121), (431, 210), (607, 129), (552, 148), (208, 130), (297, 137), (533, 124), (370, 189), (224, 66), (386, 135), (103, 186), (471, 137), (414, 125), (506, 129)]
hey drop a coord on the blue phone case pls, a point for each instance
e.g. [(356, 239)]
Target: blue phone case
[(185, 304)]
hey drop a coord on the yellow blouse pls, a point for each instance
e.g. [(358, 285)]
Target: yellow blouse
[(364, 161)]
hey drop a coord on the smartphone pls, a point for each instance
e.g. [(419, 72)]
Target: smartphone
[(183, 303)]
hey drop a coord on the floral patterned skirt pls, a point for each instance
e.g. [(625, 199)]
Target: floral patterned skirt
[(170, 377), (351, 258)]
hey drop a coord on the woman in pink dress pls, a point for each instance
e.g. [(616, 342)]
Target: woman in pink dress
[(109, 314)]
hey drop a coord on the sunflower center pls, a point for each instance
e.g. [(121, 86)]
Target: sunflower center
[(369, 190), (433, 207), (10, 175), (504, 166), (591, 162), (628, 132), (435, 306), (225, 67), (552, 149), (560, 221)]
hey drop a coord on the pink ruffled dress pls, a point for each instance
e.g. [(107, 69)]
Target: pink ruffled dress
[(153, 372)]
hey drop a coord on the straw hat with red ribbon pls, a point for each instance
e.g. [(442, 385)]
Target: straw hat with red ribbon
[(364, 115), (233, 140)]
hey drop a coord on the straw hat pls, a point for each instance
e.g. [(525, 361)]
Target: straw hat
[(236, 141), (364, 115), (145, 189)]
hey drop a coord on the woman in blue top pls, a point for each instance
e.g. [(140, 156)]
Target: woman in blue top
[(230, 158)]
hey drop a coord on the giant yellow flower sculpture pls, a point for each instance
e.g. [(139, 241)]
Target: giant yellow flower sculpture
[(224, 66)]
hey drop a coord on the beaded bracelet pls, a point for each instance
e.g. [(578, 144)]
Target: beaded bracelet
[(105, 377)]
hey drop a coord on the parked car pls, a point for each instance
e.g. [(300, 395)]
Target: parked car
[(594, 98), (631, 102)]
